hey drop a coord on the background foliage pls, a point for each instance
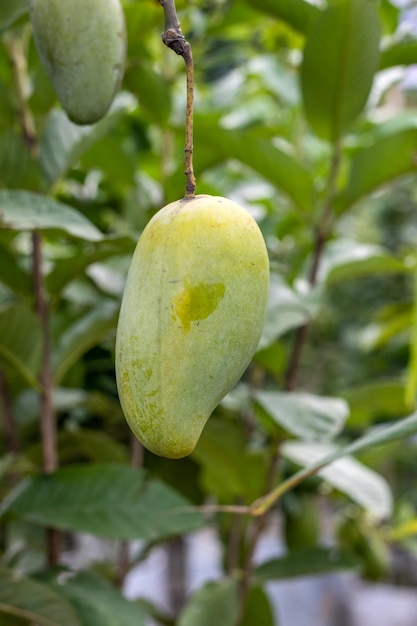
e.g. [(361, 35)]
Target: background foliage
[(301, 116)]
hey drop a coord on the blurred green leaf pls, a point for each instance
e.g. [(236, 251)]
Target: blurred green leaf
[(297, 13), (63, 142), (10, 11), (390, 16), (152, 90), (229, 469), (214, 603), (375, 400), (33, 601), (65, 269), (411, 379), (27, 211), (12, 274), (345, 259), (113, 501), (280, 168), (258, 609), (20, 342), (347, 475), (306, 562), (377, 334), (304, 414), (18, 169), (286, 310), (403, 52), (340, 60), (97, 602), (82, 335), (377, 164)]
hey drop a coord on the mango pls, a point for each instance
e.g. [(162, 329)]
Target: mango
[(82, 46), (191, 317)]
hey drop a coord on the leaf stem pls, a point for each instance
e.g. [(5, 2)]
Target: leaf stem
[(174, 39)]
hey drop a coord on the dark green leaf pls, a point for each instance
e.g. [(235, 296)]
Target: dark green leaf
[(258, 609), (20, 342), (12, 274), (27, 211), (297, 13), (83, 335), (378, 164), (340, 60), (97, 602), (304, 414), (278, 167), (214, 603), (17, 167), (304, 563), (34, 601), (113, 501), (10, 11)]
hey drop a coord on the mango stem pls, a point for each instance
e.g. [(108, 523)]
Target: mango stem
[(174, 39)]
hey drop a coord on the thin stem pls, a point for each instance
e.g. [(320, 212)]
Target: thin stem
[(48, 418), (174, 39)]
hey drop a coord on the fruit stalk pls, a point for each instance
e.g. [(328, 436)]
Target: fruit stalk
[(173, 38)]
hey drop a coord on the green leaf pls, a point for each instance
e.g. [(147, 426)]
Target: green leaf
[(230, 470), (390, 16), (360, 483), (63, 143), (258, 609), (214, 603), (345, 259), (399, 53), (112, 501), (34, 601), (297, 13), (286, 310), (304, 563), (12, 274), (10, 11), (27, 211), (411, 382), (20, 342), (377, 164), (375, 400), (82, 335), (153, 92), (304, 414), (278, 167), (340, 60), (18, 169), (64, 270), (97, 602), (378, 334)]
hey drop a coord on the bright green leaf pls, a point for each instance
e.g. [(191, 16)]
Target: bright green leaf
[(34, 601), (27, 211), (360, 483), (340, 60), (304, 414), (112, 501), (214, 603), (304, 563)]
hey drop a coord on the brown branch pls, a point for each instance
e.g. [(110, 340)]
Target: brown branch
[(174, 39), (48, 418)]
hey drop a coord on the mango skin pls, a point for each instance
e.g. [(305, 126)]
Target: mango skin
[(82, 46), (191, 318)]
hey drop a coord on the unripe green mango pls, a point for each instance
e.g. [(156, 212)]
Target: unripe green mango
[(191, 318), (82, 46)]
